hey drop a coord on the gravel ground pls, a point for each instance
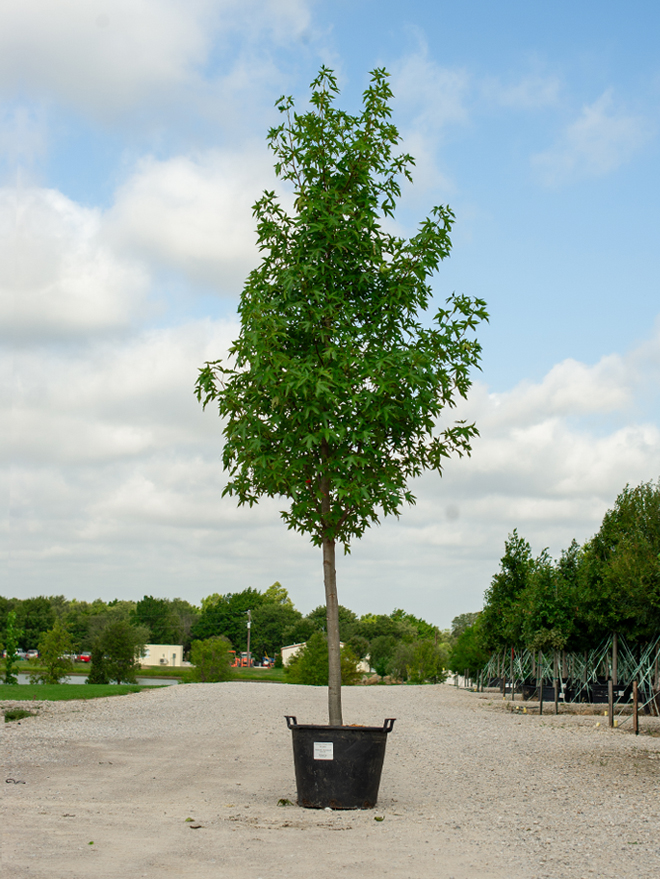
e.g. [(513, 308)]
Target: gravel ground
[(469, 790)]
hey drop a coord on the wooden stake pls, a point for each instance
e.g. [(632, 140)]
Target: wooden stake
[(635, 709), (615, 659), (610, 701), (556, 695)]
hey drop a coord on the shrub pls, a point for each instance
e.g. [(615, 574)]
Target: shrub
[(212, 660), (97, 672), (468, 652), (382, 653), (55, 648), (420, 662), (115, 653), (310, 665)]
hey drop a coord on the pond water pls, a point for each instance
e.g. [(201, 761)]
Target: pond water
[(81, 679)]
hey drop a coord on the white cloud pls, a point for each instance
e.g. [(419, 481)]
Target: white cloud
[(572, 389), (538, 466), (430, 99), (115, 400), (117, 474), (195, 214), (57, 276), (435, 95), (528, 93), (85, 52), (602, 139), (108, 57)]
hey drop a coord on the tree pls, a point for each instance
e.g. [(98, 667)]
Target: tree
[(620, 590), (277, 594), (115, 653), (35, 617), (547, 605), (211, 659), (373, 626), (187, 615), (227, 615), (346, 620), (462, 622), (502, 620), (310, 664), (158, 615), (468, 651), (12, 637), (271, 622), (421, 628), (340, 373), (420, 661), (383, 648), (102, 615), (55, 649)]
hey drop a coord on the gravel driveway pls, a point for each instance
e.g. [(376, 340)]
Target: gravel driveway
[(469, 790)]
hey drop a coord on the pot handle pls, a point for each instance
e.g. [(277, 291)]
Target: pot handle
[(289, 718), (389, 723)]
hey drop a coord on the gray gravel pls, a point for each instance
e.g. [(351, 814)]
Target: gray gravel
[(469, 789)]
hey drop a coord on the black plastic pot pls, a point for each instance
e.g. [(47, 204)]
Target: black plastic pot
[(338, 767)]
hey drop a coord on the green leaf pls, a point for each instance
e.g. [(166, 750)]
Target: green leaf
[(340, 371)]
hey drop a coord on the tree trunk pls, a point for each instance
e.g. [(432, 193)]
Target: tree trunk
[(331, 603), (332, 617)]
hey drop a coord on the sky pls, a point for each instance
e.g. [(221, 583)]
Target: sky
[(132, 147)]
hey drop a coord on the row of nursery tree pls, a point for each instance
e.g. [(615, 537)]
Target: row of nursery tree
[(610, 584), (397, 644)]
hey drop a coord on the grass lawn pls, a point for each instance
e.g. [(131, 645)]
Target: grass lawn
[(60, 692), (158, 671), (239, 674), (273, 675)]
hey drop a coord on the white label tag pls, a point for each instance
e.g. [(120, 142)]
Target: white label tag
[(323, 751)]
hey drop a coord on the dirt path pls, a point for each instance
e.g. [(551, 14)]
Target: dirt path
[(468, 790)]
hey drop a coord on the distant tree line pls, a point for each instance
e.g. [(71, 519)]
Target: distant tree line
[(610, 584), (398, 644)]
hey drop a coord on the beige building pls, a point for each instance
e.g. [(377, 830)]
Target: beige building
[(163, 654), (289, 651)]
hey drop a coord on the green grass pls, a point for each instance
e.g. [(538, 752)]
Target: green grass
[(159, 671), (272, 675), (17, 714), (63, 692)]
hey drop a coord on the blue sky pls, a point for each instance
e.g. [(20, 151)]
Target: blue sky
[(133, 146)]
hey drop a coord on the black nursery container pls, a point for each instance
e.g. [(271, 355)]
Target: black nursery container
[(338, 767)]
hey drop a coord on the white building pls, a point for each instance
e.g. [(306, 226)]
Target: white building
[(163, 654), (290, 651)]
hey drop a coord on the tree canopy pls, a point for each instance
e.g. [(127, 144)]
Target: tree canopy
[(334, 387), (611, 584)]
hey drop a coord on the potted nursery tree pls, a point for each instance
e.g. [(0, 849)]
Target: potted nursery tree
[(339, 375)]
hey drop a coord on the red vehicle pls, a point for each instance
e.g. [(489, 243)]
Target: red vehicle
[(246, 660), (84, 657)]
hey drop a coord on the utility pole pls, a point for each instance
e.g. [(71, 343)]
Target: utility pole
[(249, 626)]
